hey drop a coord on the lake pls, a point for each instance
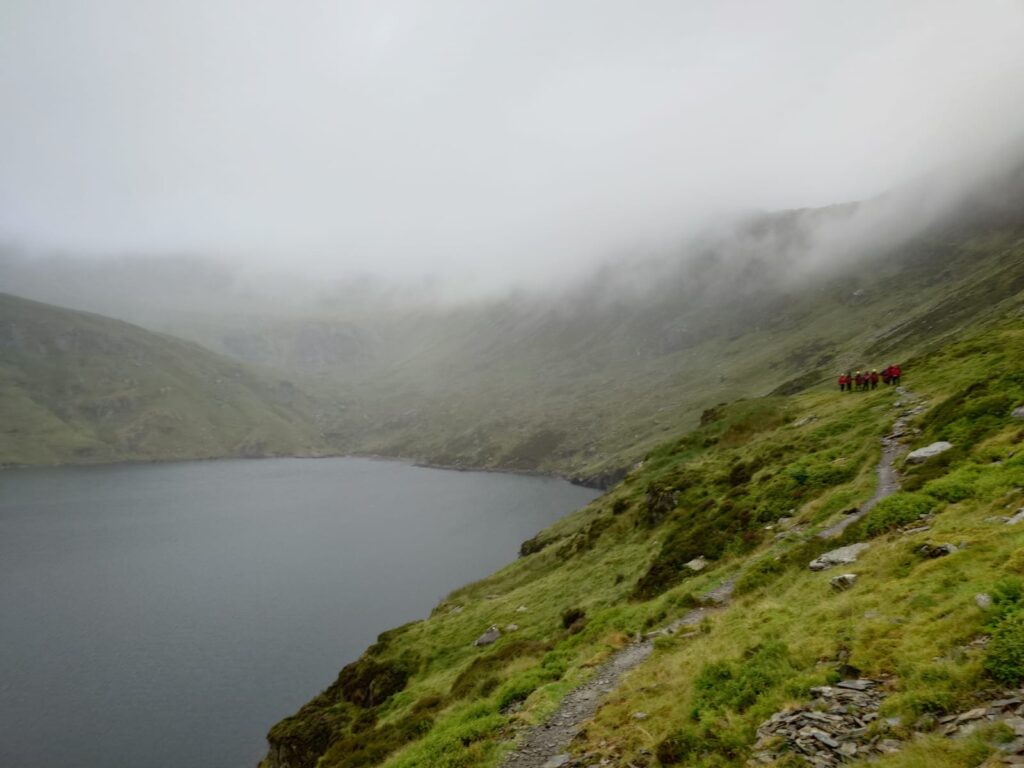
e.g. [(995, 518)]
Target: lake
[(168, 614)]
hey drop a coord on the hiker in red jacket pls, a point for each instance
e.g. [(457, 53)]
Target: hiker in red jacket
[(858, 379), (886, 374), (873, 378), (842, 382), (894, 374)]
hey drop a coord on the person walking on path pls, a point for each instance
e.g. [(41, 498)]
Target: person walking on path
[(873, 378), (894, 375)]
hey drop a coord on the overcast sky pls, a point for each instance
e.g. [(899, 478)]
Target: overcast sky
[(501, 140)]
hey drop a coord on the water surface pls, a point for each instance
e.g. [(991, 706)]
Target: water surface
[(168, 615)]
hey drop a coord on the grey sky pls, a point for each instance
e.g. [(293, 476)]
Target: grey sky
[(500, 140)]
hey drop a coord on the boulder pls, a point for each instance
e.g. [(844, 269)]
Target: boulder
[(512, 628), (488, 637), (844, 581), (1017, 517), (922, 455), (983, 601), (1018, 413), (842, 556)]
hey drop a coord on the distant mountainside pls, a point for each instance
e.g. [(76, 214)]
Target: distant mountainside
[(77, 387), (586, 381), (818, 579)]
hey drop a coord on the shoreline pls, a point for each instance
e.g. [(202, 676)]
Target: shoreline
[(581, 481)]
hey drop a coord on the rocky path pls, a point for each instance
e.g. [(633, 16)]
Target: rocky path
[(888, 478), (545, 745)]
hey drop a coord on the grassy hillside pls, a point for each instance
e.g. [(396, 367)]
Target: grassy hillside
[(748, 490), (587, 382), (76, 387)]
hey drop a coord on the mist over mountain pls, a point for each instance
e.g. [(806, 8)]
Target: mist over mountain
[(582, 379)]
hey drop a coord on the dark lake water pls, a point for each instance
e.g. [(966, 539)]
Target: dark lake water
[(167, 615)]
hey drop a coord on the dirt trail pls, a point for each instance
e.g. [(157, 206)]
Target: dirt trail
[(545, 745), (888, 478)]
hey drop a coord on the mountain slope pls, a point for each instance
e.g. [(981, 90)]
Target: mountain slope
[(77, 387), (585, 383), (585, 380), (747, 492)]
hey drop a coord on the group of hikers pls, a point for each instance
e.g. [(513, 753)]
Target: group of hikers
[(865, 380)]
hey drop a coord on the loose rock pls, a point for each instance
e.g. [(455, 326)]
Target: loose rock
[(827, 732), (842, 556), (923, 454), (488, 637), (939, 550), (698, 564), (557, 761), (845, 581), (1017, 517), (1018, 413), (983, 601)]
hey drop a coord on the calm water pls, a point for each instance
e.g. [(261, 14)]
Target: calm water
[(167, 615)]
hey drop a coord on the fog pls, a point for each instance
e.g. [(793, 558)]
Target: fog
[(468, 146)]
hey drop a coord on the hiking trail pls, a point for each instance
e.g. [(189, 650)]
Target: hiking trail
[(545, 745), (888, 478)]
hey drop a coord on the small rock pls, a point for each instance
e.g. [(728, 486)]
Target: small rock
[(698, 564), (916, 529), (639, 715), (861, 684), (845, 581), (842, 556), (923, 454), (941, 550), (888, 746), (1018, 413), (825, 739), (488, 637), (522, 609), (511, 627), (1016, 517), (983, 601)]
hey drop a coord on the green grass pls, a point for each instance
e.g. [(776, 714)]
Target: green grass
[(76, 387), (719, 492)]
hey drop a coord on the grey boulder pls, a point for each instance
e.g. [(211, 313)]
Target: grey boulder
[(922, 455), (488, 637), (842, 556)]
